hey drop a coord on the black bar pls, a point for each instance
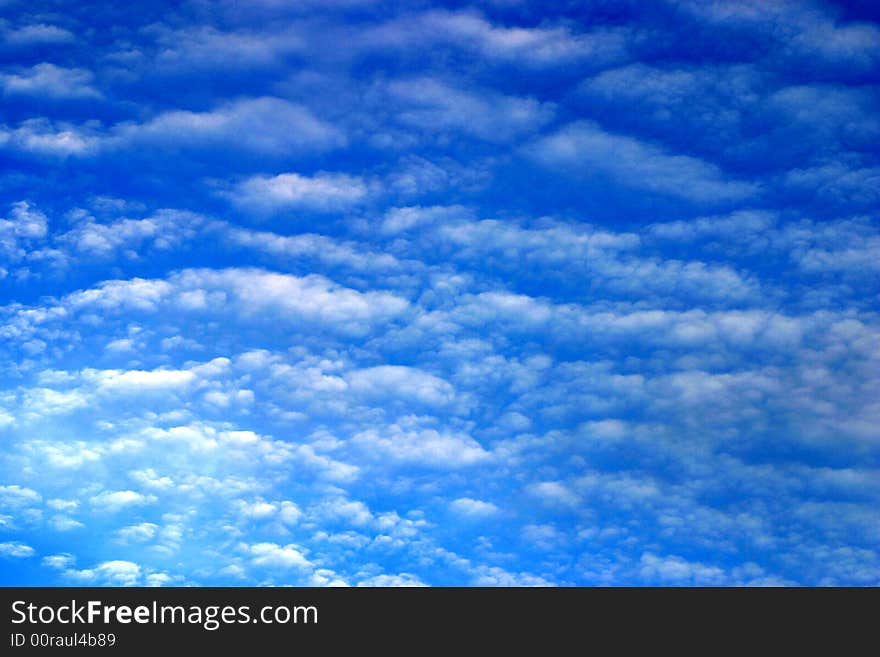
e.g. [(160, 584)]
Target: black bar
[(549, 621)]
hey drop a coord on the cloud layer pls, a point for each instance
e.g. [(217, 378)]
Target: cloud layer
[(358, 294)]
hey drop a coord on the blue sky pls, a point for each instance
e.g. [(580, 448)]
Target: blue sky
[(376, 293)]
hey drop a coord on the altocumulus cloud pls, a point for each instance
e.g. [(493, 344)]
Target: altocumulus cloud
[(509, 294)]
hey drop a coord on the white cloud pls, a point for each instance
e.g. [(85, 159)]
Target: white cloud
[(571, 253), (285, 512), (274, 127), (736, 225), (162, 579), (682, 329), (398, 220), (59, 561), (62, 505), (120, 499), (398, 581), (426, 447), (205, 47), (323, 192), (555, 493), (24, 226), (470, 508), (313, 297), (132, 294), (496, 576), (274, 556), (16, 550), (253, 293), (164, 230), (139, 381), (433, 106), (352, 512), (50, 81), (850, 44), (119, 573), (584, 149), (46, 401), (837, 182), (149, 478), (14, 497), (122, 345), (37, 34), (271, 126), (404, 382), (416, 176), (326, 250), (675, 570), (66, 455), (544, 537), (531, 46), (710, 99), (41, 136), (139, 533), (63, 523)]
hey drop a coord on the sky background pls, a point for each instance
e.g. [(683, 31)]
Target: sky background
[(377, 293)]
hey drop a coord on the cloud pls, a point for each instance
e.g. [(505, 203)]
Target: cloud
[(850, 44), (332, 252), (16, 550), (164, 230), (555, 493), (252, 293), (120, 499), (50, 81), (62, 505), (576, 251), (497, 576), (204, 47), (59, 561), (349, 512), (398, 220), (583, 150), (37, 34), (433, 106), (800, 31), (529, 46), (118, 573), (139, 533), (24, 227), (323, 192), (46, 401), (416, 176), (63, 523), (139, 381), (312, 298), (274, 556), (742, 224), (677, 571), (471, 508), (397, 581), (273, 127), (285, 512), (404, 382), (837, 182), (15, 496), (426, 448), (43, 137)]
